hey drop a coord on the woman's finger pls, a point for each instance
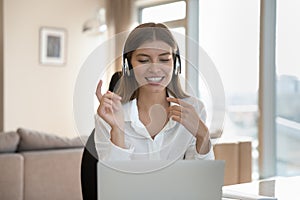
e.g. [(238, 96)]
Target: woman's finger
[(98, 90), (174, 113), (107, 101), (111, 102), (178, 101), (114, 96), (176, 118), (105, 108), (177, 108)]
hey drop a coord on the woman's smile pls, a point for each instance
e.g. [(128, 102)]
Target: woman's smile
[(154, 80)]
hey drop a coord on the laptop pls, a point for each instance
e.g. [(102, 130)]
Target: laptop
[(160, 180)]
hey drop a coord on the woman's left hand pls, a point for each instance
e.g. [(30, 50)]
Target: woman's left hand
[(185, 114)]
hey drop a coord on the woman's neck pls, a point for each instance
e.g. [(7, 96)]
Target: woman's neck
[(152, 111), (146, 100)]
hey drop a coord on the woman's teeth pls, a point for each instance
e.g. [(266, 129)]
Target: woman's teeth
[(154, 79)]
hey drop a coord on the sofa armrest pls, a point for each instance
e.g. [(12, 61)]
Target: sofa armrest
[(11, 176), (52, 174)]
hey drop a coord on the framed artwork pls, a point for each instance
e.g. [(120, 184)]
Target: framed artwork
[(52, 46)]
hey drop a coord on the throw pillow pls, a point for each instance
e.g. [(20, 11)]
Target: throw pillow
[(9, 142), (36, 140)]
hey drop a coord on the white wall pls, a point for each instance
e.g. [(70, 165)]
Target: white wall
[(36, 96)]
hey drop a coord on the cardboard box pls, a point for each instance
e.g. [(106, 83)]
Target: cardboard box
[(238, 159)]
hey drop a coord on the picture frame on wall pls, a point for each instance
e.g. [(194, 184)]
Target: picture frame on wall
[(52, 46)]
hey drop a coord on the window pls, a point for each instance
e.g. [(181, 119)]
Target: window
[(288, 88), (229, 33), (161, 13)]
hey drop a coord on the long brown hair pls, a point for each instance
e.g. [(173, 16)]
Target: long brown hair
[(128, 86)]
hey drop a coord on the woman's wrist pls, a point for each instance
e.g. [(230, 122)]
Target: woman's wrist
[(203, 142), (117, 136)]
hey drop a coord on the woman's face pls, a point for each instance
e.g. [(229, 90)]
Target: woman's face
[(153, 65)]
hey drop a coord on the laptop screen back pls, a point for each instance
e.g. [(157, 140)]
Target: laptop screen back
[(183, 179)]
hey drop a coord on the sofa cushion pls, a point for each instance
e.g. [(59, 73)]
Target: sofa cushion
[(9, 142), (36, 140)]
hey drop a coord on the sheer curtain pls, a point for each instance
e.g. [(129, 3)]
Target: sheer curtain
[(119, 15)]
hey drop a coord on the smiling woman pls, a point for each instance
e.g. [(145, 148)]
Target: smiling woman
[(150, 116)]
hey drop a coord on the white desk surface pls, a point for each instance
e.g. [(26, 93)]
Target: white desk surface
[(281, 188)]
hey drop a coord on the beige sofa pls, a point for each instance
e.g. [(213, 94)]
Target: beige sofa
[(35, 166), (40, 171)]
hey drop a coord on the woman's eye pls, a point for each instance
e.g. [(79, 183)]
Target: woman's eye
[(143, 61), (165, 60)]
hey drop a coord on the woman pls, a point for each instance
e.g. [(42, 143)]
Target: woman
[(149, 116)]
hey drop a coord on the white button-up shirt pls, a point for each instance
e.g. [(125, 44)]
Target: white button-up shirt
[(174, 141)]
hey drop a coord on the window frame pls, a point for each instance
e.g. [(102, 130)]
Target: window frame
[(267, 90)]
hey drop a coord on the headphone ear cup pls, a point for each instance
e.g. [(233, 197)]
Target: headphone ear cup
[(177, 65), (126, 70)]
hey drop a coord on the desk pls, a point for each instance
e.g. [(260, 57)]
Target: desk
[(281, 188)]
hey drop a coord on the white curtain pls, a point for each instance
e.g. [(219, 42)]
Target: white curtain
[(119, 18)]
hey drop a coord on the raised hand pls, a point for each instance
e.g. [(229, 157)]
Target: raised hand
[(185, 114), (110, 108)]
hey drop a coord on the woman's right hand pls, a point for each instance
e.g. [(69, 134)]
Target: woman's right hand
[(110, 108)]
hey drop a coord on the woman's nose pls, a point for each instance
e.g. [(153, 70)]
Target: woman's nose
[(154, 67)]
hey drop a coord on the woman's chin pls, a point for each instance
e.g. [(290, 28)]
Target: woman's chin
[(154, 87)]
